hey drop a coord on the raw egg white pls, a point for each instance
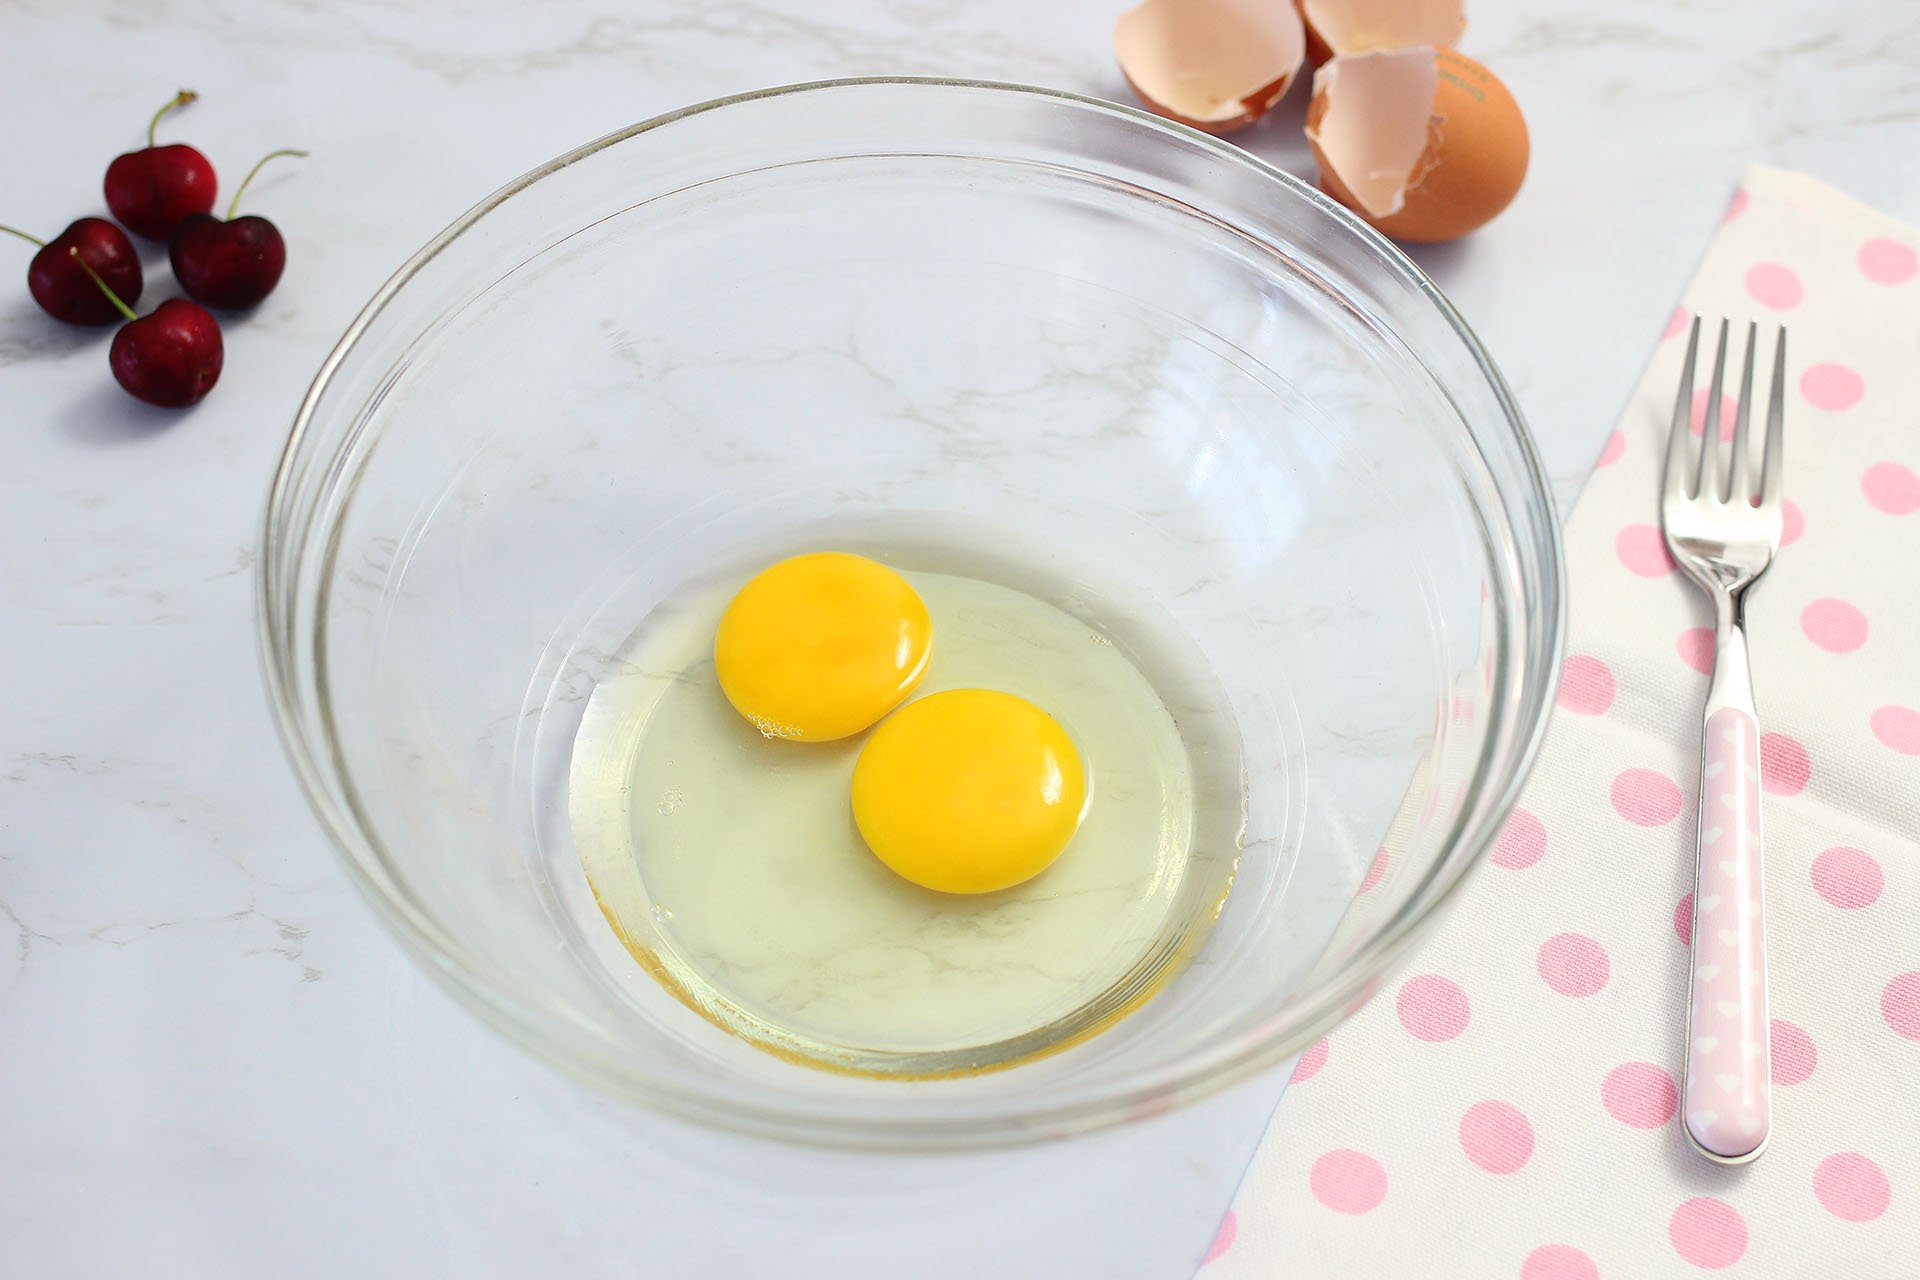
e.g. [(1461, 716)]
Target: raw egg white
[(740, 871)]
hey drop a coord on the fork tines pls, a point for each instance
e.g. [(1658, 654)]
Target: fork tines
[(1709, 479)]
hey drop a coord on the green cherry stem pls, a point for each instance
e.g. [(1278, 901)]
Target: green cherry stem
[(179, 99), (105, 288), (15, 231), (258, 165)]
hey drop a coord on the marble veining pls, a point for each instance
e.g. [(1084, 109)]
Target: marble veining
[(201, 1025)]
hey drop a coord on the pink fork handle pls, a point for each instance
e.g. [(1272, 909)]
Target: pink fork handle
[(1728, 1107)]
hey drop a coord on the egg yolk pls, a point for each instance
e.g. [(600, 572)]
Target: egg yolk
[(820, 646), (968, 791)]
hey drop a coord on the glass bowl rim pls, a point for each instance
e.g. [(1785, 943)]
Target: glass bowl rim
[(1200, 1072)]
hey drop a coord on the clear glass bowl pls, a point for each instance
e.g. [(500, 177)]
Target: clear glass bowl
[(1042, 323)]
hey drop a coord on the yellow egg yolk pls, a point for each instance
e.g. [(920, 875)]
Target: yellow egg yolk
[(968, 791), (821, 646)]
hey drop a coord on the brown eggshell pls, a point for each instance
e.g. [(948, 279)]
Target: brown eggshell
[(1218, 65), (1417, 180), (1359, 26), (1370, 124), (1317, 51)]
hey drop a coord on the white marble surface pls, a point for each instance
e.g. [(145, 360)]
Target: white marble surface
[(212, 1061)]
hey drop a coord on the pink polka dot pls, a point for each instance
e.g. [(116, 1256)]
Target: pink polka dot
[(1639, 1094), (1615, 450), (1645, 797), (1708, 1233), (1496, 1136), (1848, 878), (1831, 386), (1891, 488), (1643, 549), (1676, 323), (1376, 870), (1793, 1054), (1348, 1181), (1898, 729), (1432, 1008), (1792, 522), (1683, 921), (1558, 1262), (1772, 285), (1521, 842), (1736, 206), (1834, 625), (1852, 1187), (1900, 1005), (1888, 261), (1729, 408), (1310, 1062), (1784, 767), (1586, 685), (1573, 964), (1696, 649), (1223, 1238)]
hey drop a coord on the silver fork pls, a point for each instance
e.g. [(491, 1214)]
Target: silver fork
[(1724, 530)]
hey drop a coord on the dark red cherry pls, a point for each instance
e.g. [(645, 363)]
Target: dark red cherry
[(62, 287), (152, 189)]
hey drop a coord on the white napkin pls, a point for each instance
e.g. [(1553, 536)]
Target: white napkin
[(1506, 1107)]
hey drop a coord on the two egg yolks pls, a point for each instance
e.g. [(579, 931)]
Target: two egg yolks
[(965, 791)]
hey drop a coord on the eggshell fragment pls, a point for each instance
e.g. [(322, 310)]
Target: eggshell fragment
[(1317, 51), (1217, 65), (1425, 144), (1368, 125), (1357, 26)]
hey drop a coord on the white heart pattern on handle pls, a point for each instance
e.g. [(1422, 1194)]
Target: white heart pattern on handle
[(1727, 1103)]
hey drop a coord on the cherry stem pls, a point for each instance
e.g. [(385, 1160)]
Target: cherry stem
[(105, 288), (258, 165), (15, 231), (179, 99)]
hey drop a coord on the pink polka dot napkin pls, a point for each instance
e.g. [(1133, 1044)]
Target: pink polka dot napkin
[(1506, 1106)]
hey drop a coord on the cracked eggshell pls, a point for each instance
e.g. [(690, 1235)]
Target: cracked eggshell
[(1358, 26), (1423, 143), (1218, 65), (1317, 51)]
